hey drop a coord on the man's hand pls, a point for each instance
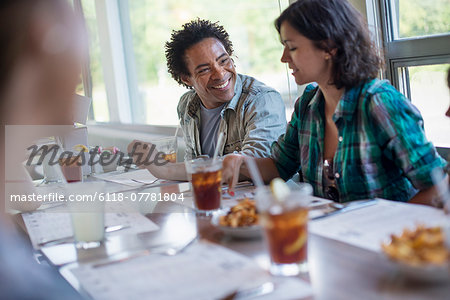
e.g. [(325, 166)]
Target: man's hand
[(231, 168), (142, 153)]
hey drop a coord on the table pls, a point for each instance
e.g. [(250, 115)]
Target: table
[(337, 270)]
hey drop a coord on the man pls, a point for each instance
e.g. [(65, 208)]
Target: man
[(250, 114)]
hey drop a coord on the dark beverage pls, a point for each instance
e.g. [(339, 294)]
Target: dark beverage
[(287, 235), (207, 188)]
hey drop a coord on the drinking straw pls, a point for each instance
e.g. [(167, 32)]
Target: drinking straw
[(439, 181), (254, 172), (176, 131), (218, 146)]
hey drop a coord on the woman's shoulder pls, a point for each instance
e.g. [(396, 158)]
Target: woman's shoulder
[(380, 87), (383, 99)]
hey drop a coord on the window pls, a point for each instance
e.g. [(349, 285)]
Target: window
[(429, 93), (415, 18), (130, 79), (416, 35), (100, 110)]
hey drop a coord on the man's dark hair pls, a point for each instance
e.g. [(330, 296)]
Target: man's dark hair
[(192, 33), (336, 24)]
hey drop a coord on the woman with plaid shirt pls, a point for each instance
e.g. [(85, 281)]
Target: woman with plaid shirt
[(351, 135)]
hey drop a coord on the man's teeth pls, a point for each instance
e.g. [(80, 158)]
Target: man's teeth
[(221, 86)]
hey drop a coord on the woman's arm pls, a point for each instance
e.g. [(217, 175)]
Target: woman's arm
[(233, 165)]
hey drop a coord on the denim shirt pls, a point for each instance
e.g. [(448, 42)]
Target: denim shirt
[(253, 119)]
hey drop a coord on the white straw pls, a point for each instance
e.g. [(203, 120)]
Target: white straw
[(176, 131), (218, 146), (438, 178), (254, 172)]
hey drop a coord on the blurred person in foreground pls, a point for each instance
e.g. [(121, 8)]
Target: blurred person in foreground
[(447, 113), (40, 67), (351, 135), (250, 114)]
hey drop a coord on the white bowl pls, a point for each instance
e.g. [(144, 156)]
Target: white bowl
[(424, 273), (244, 232)]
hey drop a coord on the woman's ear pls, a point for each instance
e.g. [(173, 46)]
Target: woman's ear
[(330, 54)]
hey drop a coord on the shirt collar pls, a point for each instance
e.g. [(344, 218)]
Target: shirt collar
[(314, 104), (348, 103), (237, 94)]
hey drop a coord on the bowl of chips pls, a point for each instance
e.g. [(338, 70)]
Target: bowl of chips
[(240, 221), (420, 254)]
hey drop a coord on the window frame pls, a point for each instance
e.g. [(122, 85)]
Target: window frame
[(116, 44), (405, 52)]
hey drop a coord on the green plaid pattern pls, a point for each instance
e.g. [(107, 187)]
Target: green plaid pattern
[(382, 150)]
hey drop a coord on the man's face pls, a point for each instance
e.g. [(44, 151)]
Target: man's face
[(213, 75)]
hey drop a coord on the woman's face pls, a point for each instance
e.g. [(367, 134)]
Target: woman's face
[(309, 64)]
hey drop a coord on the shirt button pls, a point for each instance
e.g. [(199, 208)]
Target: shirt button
[(337, 175), (340, 139)]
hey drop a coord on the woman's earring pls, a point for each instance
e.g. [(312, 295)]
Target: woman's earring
[(327, 57)]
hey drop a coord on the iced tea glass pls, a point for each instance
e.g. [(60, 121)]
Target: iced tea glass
[(168, 146), (205, 176), (285, 223)]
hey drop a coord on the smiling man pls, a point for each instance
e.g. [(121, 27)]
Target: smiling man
[(250, 114)]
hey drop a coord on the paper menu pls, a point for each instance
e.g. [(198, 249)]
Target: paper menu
[(44, 226), (202, 271), (368, 227), (132, 178)]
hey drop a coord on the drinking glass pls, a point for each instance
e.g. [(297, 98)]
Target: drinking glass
[(52, 170), (87, 212), (285, 224), (168, 146), (205, 176)]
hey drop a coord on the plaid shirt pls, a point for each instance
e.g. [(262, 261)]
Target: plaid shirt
[(382, 149)]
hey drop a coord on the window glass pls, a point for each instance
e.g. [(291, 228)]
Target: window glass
[(413, 18), (430, 94), (99, 99), (250, 25)]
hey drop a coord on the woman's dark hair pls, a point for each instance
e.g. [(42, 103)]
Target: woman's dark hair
[(192, 33), (336, 24)]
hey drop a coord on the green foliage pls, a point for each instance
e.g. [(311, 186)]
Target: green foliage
[(423, 17), (249, 23)]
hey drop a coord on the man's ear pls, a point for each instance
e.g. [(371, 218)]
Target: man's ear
[(186, 80)]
